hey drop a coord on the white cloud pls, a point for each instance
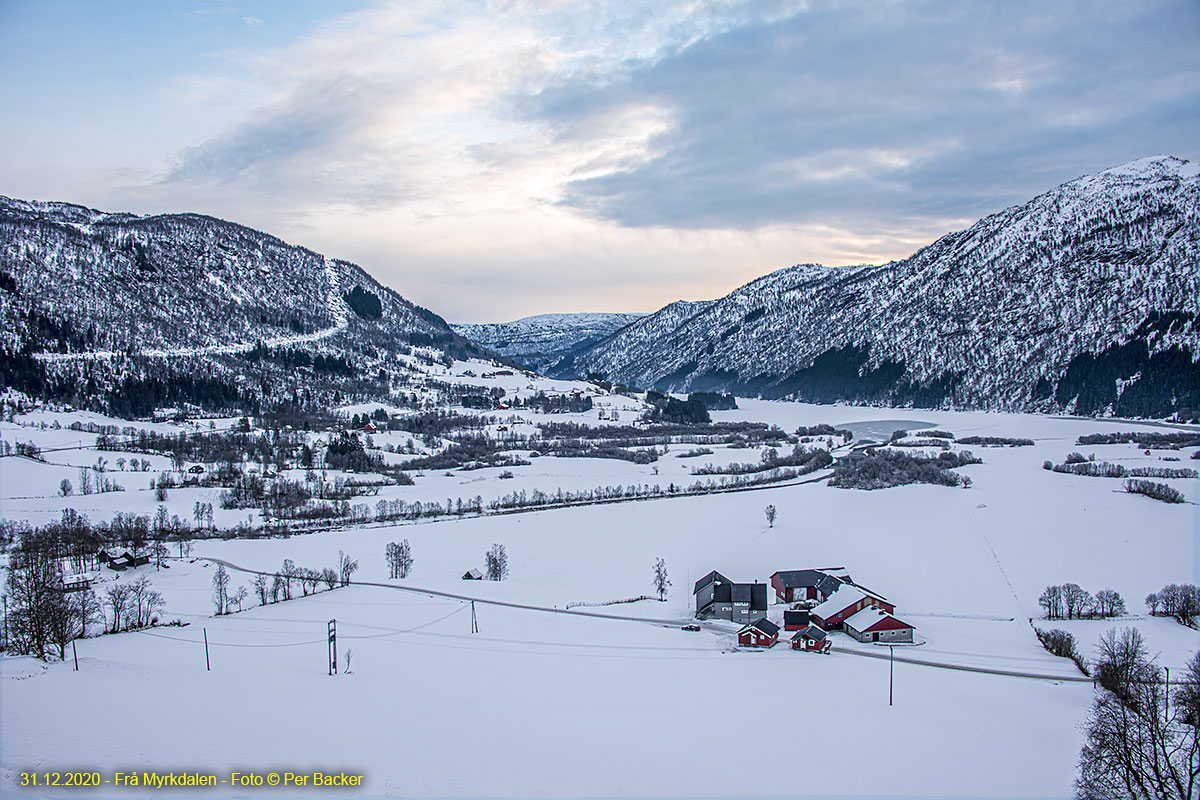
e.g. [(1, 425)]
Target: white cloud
[(630, 154)]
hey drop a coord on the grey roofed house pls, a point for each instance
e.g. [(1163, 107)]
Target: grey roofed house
[(711, 577), (719, 598)]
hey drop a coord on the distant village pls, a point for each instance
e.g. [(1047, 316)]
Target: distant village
[(819, 602)]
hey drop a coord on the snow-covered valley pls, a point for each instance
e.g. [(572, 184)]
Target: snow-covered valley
[(554, 703)]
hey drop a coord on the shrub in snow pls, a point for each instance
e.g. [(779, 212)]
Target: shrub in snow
[(1158, 491)]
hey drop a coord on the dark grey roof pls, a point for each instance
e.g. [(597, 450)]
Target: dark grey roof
[(829, 584), (753, 593), (800, 578), (709, 578), (795, 617), (758, 597), (766, 626), (811, 632), (805, 578)]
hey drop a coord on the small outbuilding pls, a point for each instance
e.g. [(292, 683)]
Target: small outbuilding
[(472, 575), (812, 640), (795, 620), (760, 633), (75, 583)]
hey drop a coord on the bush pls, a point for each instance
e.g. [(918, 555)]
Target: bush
[(1075, 458), (996, 441), (883, 468), (1062, 644), (1158, 491)]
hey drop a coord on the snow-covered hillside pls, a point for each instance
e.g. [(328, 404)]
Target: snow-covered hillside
[(544, 340), (1086, 298), (93, 300)]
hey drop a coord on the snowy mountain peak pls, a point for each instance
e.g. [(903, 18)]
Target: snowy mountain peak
[(544, 340)]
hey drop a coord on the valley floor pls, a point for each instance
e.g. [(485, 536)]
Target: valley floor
[(550, 705)]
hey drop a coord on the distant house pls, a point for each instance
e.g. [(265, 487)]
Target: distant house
[(843, 604), (812, 639), (369, 428), (877, 625), (505, 372), (808, 584), (761, 633), (75, 583), (196, 469), (472, 575), (795, 620), (106, 556), (717, 597)]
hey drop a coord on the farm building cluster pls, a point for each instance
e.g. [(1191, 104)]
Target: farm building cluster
[(819, 602)]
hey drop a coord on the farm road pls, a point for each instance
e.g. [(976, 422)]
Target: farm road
[(675, 622)]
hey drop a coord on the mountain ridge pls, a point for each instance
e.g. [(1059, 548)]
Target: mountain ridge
[(543, 340), (96, 301), (1004, 314)]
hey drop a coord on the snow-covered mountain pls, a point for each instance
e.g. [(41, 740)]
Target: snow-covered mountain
[(1084, 299), (93, 299), (543, 341)]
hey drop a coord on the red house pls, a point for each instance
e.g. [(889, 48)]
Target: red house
[(843, 604), (762, 633), (812, 640)]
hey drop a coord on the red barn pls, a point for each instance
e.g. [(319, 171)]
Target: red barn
[(762, 633), (876, 625), (845, 603), (807, 584)]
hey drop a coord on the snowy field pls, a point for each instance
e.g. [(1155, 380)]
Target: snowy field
[(545, 704)]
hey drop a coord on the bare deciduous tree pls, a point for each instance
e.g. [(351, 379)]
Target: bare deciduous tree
[(1142, 741), (220, 583), (496, 562), (346, 568), (771, 514)]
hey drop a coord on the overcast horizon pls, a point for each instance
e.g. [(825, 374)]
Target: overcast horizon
[(496, 160)]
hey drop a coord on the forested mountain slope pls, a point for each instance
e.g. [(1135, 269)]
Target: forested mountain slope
[(94, 300), (1084, 299)]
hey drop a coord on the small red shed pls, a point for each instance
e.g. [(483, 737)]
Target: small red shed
[(762, 633), (812, 640)]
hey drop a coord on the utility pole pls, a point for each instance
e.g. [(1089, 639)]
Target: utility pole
[(332, 646), (207, 662), (474, 620), (891, 670), (75, 653)]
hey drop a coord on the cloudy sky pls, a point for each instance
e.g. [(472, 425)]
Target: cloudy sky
[(491, 160)]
